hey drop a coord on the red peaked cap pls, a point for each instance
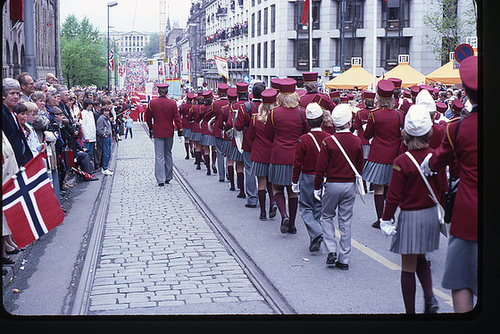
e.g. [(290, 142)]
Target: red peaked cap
[(269, 96), (468, 72), (385, 88), (287, 86), (232, 94), (162, 85), (222, 88), (310, 76), (242, 87)]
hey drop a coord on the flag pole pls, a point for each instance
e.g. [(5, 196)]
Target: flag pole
[(310, 37), (374, 48)]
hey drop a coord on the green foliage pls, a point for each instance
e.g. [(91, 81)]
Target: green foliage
[(83, 53), (450, 29), (153, 46)]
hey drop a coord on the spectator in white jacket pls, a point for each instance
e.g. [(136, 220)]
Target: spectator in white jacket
[(88, 126)]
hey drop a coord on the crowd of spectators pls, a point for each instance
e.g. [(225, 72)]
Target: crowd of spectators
[(222, 34)]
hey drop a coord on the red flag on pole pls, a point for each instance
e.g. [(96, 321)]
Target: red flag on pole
[(29, 204), (305, 12)]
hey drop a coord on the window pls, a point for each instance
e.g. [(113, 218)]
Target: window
[(273, 18), (273, 57), (258, 55), (265, 20), (353, 15), (264, 51), (391, 48), (353, 47), (299, 7), (252, 56), (301, 53), (258, 22), (395, 14), (253, 25)]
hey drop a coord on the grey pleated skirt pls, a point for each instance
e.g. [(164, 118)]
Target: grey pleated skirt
[(195, 136), (207, 140), (281, 174), (186, 133), (377, 173), (236, 155), (366, 151), (227, 147), (417, 232), (461, 266), (259, 169)]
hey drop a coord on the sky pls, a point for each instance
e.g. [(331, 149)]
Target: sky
[(128, 15)]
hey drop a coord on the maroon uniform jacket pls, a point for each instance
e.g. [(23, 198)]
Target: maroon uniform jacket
[(217, 110), (284, 127), (407, 189), (165, 113), (384, 126), (184, 112), (223, 121), (193, 115), (308, 97), (243, 120), (262, 146), (332, 163), (306, 154), (361, 119), (464, 221)]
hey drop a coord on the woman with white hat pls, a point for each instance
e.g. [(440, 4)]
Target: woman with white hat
[(418, 227)]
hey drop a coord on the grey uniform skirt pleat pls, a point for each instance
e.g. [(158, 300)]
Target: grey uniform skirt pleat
[(195, 136), (281, 174), (260, 169), (227, 147), (186, 133), (236, 155), (377, 173), (417, 232), (207, 140), (366, 151)]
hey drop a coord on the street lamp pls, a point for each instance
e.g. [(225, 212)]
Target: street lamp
[(110, 4)]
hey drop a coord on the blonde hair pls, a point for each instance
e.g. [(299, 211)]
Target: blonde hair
[(384, 102), (416, 143), (263, 113), (289, 100), (327, 118), (32, 107)]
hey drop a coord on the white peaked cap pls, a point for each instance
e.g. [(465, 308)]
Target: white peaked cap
[(341, 114), (425, 98), (313, 110), (418, 121)]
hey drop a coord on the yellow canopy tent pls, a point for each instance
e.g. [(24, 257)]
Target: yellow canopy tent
[(445, 74), (405, 72), (355, 76)]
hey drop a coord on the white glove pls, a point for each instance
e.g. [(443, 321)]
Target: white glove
[(317, 194), (387, 227), (426, 169), (295, 188)]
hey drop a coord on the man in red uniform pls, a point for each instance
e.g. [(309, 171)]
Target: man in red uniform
[(311, 85), (461, 142), (161, 115)]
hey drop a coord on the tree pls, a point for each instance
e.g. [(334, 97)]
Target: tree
[(153, 46), (449, 28), (83, 53)]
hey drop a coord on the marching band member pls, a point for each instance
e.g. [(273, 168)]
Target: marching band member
[(207, 141), (186, 125), (196, 129), (217, 131)]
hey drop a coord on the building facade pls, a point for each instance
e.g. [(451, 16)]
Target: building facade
[(46, 35)]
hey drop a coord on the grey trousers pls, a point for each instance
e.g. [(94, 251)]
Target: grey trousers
[(341, 196), (309, 207), (164, 163), (250, 180), (221, 168)]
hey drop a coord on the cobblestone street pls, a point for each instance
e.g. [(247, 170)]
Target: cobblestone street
[(158, 250)]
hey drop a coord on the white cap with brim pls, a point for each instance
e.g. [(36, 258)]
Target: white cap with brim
[(417, 121), (341, 114), (424, 98), (313, 110)]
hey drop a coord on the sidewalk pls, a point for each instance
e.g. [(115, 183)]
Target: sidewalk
[(159, 256)]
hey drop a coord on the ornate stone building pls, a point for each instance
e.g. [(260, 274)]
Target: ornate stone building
[(47, 38)]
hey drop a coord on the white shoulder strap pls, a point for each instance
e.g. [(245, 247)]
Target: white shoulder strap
[(315, 141), (345, 155), (432, 195)]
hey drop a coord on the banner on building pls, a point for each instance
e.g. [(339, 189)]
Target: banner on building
[(222, 66)]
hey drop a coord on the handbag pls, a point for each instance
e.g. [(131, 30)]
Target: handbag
[(360, 189), (444, 227)]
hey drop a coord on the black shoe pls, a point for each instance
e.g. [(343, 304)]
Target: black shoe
[(376, 224), (15, 251), (167, 181), (7, 260), (161, 184), (250, 205), (272, 210), (198, 167), (208, 171), (331, 258), (342, 266), (187, 157), (292, 230), (221, 180), (232, 188), (431, 305), (262, 216), (285, 222), (214, 169), (241, 195), (315, 243)]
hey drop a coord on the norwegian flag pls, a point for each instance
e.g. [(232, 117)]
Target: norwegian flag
[(111, 59), (29, 204)]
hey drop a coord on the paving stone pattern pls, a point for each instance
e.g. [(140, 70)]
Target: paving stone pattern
[(157, 247)]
